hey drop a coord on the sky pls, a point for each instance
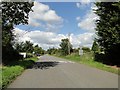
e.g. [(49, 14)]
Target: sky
[(52, 21)]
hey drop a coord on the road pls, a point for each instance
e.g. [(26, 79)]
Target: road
[(61, 73)]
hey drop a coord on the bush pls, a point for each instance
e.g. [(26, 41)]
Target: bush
[(86, 49), (26, 63), (9, 54), (108, 59), (29, 55), (87, 56)]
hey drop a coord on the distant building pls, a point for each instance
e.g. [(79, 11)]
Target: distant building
[(81, 52), (24, 54)]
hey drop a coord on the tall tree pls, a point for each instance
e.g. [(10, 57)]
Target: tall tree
[(13, 13), (108, 28), (28, 47), (64, 46), (18, 46), (38, 50)]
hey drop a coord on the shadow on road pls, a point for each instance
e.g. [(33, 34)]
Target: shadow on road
[(44, 65)]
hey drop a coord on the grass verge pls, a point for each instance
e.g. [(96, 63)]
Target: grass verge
[(88, 59), (9, 73)]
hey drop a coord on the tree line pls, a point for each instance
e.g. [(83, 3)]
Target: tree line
[(65, 47), (29, 47)]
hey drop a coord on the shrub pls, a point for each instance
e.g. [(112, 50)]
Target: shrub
[(9, 54), (29, 55), (26, 63)]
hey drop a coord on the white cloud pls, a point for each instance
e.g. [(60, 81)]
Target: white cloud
[(82, 3), (78, 18), (85, 39), (88, 21), (78, 5), (33, 22), (42, 14), (21, 35), (50, 39), (94, 7), (85, 1), (42, 38)]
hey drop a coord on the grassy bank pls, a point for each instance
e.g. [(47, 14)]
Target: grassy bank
[(10, 72), (88, 59)]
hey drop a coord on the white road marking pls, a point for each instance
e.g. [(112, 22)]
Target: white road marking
[(65, 62)]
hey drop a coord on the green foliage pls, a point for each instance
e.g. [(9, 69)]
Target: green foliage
[(13, 13), (9, 55), (29, 55), (17, 12), (85, 57), (28, 47), (88, 59), (32, 58), (95, 47), (38, 50), (9, 73), (19, 47), (52, 50), (65, 46), (86, 49), (76, 50), (25, 63), (108, 28)]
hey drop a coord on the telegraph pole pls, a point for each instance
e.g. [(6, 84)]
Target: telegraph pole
[(69, 43), (80, 50)]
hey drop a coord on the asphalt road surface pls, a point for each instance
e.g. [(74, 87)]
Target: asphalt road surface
[(61, 73)]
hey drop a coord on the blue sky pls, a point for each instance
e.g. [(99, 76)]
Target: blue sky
[(68, 11), (58, 19)]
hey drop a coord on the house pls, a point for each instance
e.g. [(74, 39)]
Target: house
[(24, 54)]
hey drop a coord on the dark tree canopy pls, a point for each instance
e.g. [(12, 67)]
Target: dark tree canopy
[(13, 13), (108, 27), (28, 47), (86, 49), (95, 47)]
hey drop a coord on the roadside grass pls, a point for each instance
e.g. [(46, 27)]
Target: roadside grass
[(88, 59), (10, 72)]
